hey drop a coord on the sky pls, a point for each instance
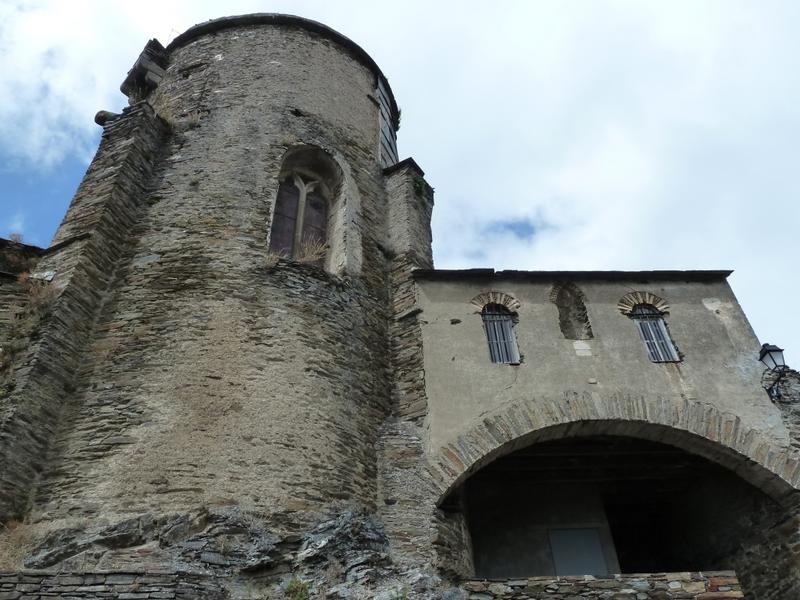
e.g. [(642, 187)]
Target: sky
[(558, 134)]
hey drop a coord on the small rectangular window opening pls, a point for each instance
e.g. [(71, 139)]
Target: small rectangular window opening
[(498, 323), (654, 334)]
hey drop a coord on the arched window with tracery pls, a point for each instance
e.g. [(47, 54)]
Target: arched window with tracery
[(498, 322), (300, 219), (654, 334), (309, 183)]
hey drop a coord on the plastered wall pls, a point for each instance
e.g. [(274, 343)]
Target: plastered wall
[(719, 365)]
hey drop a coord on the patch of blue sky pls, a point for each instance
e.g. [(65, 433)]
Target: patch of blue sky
[(523, 229), (33, 201)]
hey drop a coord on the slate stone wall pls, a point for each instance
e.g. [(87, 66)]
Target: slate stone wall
[(403, 487), (12, 298), (410, 203), (41, 585), (16, 257), (721, 585), (127, 585), (768, 564), (213, 375), (787, 386), (106, 206)]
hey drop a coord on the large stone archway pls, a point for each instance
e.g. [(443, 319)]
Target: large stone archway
[(767, 562), (690, 425)]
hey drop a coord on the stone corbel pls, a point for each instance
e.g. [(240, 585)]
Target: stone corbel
[(146, 73)]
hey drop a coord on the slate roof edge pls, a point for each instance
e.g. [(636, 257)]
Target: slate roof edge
[(468, 274), (406, 162), (6, 243)]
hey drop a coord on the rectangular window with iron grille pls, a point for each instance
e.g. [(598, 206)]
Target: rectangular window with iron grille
[(498, 323), (654, 334)]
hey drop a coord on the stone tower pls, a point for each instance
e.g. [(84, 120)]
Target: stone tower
[(194, 364), (236, 374)]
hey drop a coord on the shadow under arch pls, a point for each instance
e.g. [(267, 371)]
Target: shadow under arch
[(697, 428), (758, 544)]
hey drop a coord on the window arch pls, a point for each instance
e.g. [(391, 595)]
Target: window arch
[(654, 334), (299, 224), (310, 182), (498, 322)]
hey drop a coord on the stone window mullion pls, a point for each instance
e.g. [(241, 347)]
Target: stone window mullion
[(299, 224)]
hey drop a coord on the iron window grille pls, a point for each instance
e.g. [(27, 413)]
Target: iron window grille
[(654, 334), (498, 322)]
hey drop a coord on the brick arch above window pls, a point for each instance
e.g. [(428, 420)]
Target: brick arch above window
[(495, 297), (630, 300)]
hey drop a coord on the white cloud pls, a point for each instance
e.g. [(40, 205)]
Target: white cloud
[(644, 135), (53, 80)]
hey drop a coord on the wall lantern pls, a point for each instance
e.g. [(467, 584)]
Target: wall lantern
[(772, 357)]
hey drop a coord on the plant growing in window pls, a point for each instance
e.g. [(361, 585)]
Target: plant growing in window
[(300, 219)]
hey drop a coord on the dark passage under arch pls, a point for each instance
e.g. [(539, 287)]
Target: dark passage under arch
[(608, 504)]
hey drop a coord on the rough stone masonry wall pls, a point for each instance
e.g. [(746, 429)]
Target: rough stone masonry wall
[(16, 257), (788, 400), (721, 585), (19, 306), (402, 487), (769, 562), (217, 379), (26, 297), (42, 585), (127, 585), (13, 300), (106, 205), (12, 296), (419, 534), (410, 201)]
